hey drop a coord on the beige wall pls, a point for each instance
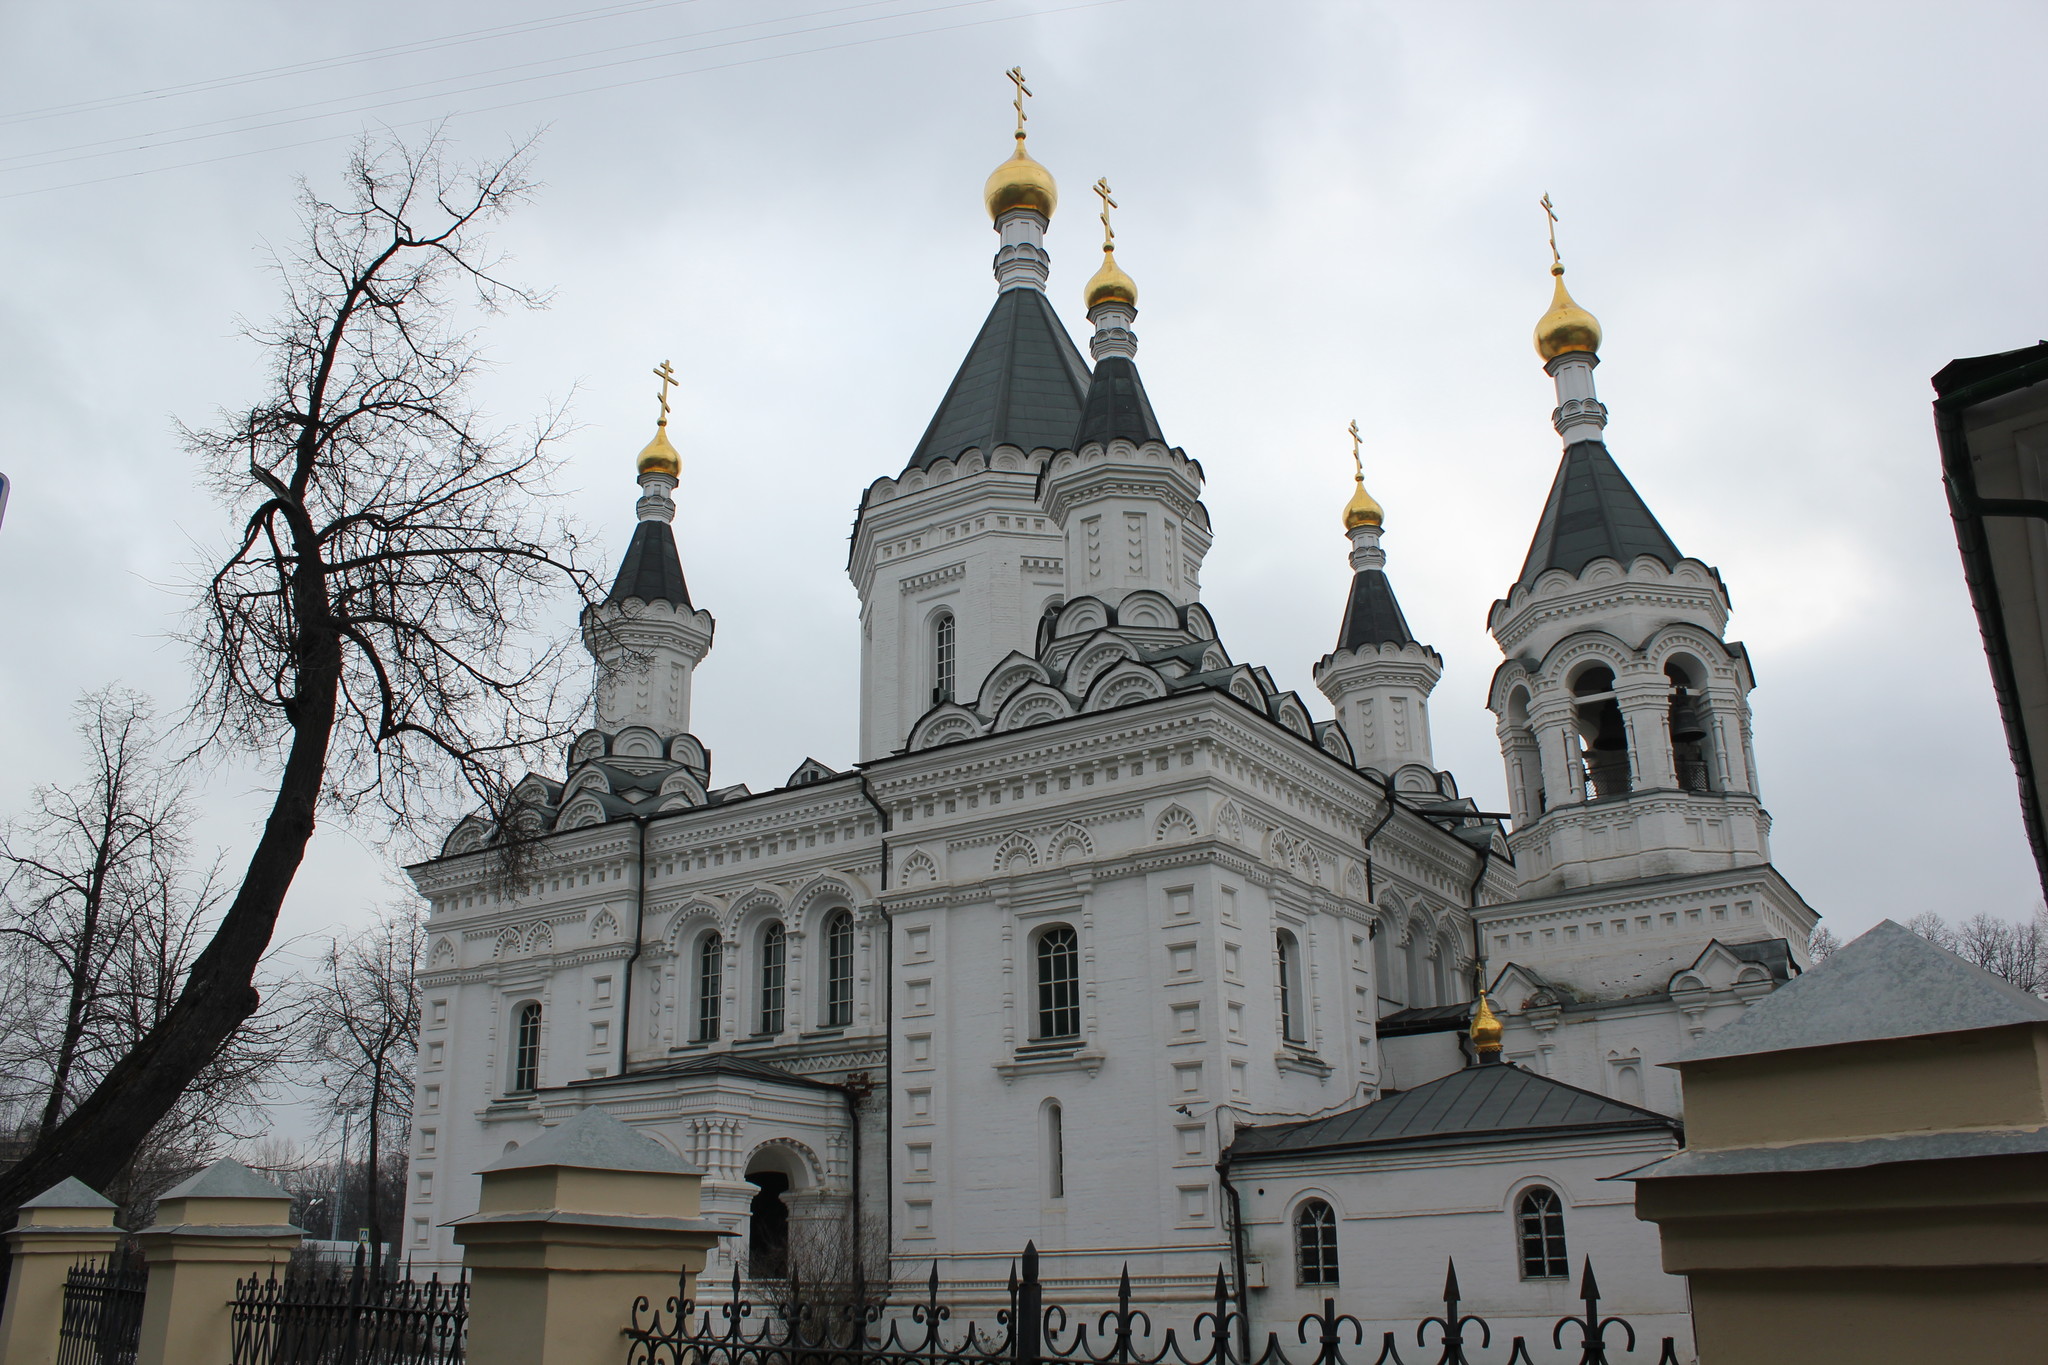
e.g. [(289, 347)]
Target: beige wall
[(1871, 1317)]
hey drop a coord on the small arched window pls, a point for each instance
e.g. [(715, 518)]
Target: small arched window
[(942, 657), (1287, 959), (526, 1048), (1315, 1243), (839, 969), (1540, 1216), (1059, 983), (774, 975), (710, 985), (1055, 1151)]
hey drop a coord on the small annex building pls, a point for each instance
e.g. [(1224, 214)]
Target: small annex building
[(1506, 1172)]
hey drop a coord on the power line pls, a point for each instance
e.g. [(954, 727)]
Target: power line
[(613, 11), (567, 94), (56, 156)]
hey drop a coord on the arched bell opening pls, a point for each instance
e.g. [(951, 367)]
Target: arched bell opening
[(1692, 750), (768, 1225), (1525, 761), (1601, 733)]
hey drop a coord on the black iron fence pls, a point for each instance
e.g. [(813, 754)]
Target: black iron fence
[(844, 1331), (102, 1321), (330, 1317)]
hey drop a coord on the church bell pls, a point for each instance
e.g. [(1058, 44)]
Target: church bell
[(1688, 726)]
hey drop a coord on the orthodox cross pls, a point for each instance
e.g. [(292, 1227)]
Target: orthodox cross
[(667, 376), (1357, 460), (1016, 75), (1108, 232), (1551, 214)]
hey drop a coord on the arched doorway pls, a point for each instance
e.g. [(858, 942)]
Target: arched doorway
[(768, 1226)]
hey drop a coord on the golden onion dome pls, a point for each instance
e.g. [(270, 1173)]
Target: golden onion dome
[(1486, 1027), (1363, 509), (1109, 284), (659, 457), (1566, 327), (1020, 183)]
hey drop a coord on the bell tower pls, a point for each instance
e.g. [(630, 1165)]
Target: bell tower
[(1622, 711)]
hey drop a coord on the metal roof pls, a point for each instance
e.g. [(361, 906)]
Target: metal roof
[(1476, 1104), (1372, 616), (1117, 406), (1023, 383), (651, 570), (1593, 512)]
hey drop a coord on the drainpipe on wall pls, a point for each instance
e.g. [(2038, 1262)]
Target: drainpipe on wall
[(1244, 1301), (888, 1047), (633, 958)]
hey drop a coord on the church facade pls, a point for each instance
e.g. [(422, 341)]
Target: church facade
[(1096, 895)]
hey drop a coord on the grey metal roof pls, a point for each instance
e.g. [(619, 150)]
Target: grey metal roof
[(594, 1140), (1372, 616), (1593, 512), (1022, 383), (69, 1193), (652, 570), (1117, 406), (226, 1179), (720, 1064), (1425, 1019), (1479, 1103), (1889, 983), (1846, 1153)]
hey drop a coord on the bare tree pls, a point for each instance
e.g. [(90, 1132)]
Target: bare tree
[(1822, 943), (371, 623), (2014, 950), (363, 1027), (102, 912)]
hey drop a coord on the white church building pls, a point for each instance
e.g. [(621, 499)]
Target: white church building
[(1100, 910)]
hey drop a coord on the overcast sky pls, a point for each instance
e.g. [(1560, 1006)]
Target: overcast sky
[(1786, 218)]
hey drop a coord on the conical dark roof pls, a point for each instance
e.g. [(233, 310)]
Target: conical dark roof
[(1373, 617), (652, 570), (1594, 512), (1117, 405), (1023, 383)]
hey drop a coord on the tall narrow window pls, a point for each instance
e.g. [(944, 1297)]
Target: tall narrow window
[(1541, 1214), (526, 1048), (1059, 983), (774, 969), (710, 985), (1055, 1152), (1288, 958), (942, 657), (839, 969), (1315, 1243)]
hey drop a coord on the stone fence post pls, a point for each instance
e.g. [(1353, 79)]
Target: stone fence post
[(65, 1224), (224, 1224), (568, 1231), (1865, 1179)]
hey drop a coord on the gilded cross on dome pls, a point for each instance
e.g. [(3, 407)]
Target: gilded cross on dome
[(1551, 214), (1102, 192), (1016, 75), (1357, 460), (667, 375)]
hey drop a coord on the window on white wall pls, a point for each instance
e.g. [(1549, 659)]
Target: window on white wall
[(1287, 956), (839, 969), (942, 657), (1540, 1218), (526, 1048), (710, 985), (1315, 1243), (1058, 964), (774, 975), (1055, 1151)]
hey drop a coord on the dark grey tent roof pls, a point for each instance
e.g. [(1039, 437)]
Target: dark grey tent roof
[(652, 570), (1372, 617), (1117, 405), (1023, 382), (1593, 512), (1479, 1103)]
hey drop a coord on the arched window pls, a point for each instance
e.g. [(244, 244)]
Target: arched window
[(942, 657), (768, 1226), (1386, 982), (710, 985), (1287, 958), (1540, 1215), (1059, 983), (1602, 734), (839, 969), (1055, 1151), (774, 975), (1418, 978), (526, 1048), (1315, 1243)]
